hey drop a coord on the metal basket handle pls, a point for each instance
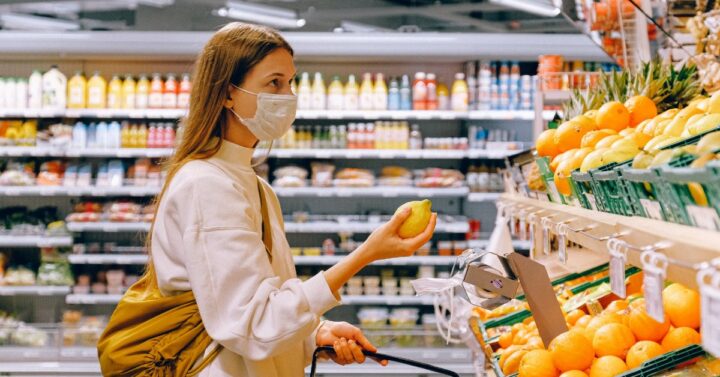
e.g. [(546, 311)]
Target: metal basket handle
[(380, 356)]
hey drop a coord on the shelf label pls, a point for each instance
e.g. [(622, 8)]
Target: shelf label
[(704, 217), (389, 194), (12, 191), (323, 154), (554, 193), (709, 283), (394, 300), (654, 265), (110, 228), (617, 268), (124, 152), (370, 115), (562, 247), (326, 193), (591, 200), (652, 209), (546, 237)]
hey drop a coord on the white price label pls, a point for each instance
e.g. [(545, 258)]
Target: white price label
[(554, 193), (591, 200), (513, 225), (562, 248), (394, 301), (653, 285), (652, 209), (533, 250), (326, 193), (710, 309), (323, 154), (389, 194), (546, 240), (523, 228), (617, 276), (704, 217)]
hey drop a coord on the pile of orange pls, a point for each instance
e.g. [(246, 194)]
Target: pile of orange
[(620, 338)]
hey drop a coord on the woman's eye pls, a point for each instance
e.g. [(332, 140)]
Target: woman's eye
[(275, 83)]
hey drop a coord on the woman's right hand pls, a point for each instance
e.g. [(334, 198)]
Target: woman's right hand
[(385, 243)]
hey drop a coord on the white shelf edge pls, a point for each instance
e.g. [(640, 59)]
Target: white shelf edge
[(34, 290), (92, 299), (107, 258), (35, 241), (375, 191), (517, 244), (478, 197), (36, 190), (386, 300), (108, 226), (336, 227), (326, 260)]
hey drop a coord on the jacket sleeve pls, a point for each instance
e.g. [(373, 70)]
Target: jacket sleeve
[(243, 305)]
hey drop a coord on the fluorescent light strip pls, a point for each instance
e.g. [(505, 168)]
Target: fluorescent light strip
[(18, 21), (545, 9), (264, 19)]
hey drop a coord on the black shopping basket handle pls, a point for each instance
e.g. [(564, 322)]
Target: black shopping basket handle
[(380, 356)]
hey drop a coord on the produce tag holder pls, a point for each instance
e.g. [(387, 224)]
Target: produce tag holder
[(708, 280), (655, 269), (618, 259), (546, 225), (652, 209), (523, 225), (703, 217)]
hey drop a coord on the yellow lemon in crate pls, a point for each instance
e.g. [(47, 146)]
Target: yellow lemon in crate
[(709, 143), (713, 105), (418, 220)]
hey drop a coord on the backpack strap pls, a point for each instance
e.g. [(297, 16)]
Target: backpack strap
[(266, 230)]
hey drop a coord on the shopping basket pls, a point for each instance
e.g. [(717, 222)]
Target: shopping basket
[(380, 356)]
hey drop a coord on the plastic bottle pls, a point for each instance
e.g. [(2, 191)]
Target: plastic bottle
[(504, 74), (431, 87), (405, 93), (419, 92), (97, 91), (21, 93), (169, 136), (114, 94), (342, 137), (183, 99), (101, 135), (318, 98), (2, 93), (9, 93), (91, 136), (128, 92), (443, 97), (113, 135), (304, 92), (170, 92), (142, 92), (380, 93), (35, 90), (459, 96), (366, 92), (154, 137), (142, 136), (352, 91), (79, 136), (155, 96), (394, 95), (415, 141), (133, 137), (125, 135), (54, 89), (77, 91), (336, 95)]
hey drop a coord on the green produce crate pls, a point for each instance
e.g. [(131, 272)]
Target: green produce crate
[(610, 189), (640, 185), (582, 184), (547, 176), (665, 362)]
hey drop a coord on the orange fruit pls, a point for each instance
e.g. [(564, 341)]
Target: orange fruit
[(613, 115), (680, 337), (574, 315), (562, 175), (600, 321), (574, 373), (607, 366), (505, 339), (591, 138), (578, 157), (641, 352), (507, 353), (616, 306), (521, 337), (641, 108), (643, 326), (545, 144), (613, 339), (535, 342), (561, 157), (571, 350), (583, 321), (538, 363), (569, 135), (640, 138), (512, 363), (634, 284), (682, 305)]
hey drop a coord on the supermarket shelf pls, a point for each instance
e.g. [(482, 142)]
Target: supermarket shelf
[(492, 153), (671, 240), (107, 258), (387, 300), (107, 226), (377, 191), (355, 227), (518, 245), (33, 290), (35, 241), (367, 153), (483, 196), (48, 151), (78, 191), (328, 260), (556, 97), (92, 299), (94, 113), (386, 114)]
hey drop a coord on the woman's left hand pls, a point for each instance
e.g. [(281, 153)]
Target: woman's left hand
[(347, 340)]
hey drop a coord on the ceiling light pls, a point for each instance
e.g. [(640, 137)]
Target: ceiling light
[(18, 21), (262, 14), (541, 8)]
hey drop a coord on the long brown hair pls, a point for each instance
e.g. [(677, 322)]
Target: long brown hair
[(226, 58)]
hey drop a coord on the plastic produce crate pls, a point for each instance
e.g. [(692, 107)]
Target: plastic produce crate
[(640, 186), (665, 362), (582, 184), (547, 176)]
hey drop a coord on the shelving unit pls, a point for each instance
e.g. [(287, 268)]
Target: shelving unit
[(35, 241), (33, 290), (302, 260), (377, 191)]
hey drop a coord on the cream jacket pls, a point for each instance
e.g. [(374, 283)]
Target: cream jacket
[(208, 239)]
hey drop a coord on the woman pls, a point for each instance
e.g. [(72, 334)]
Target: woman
[(208, 235)]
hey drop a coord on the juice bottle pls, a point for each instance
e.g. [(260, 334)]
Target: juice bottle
[(35, 90), (335, 94), (380, 93), (443, 97), (394, 95), (431, 87), (318, 96), (96, 89), (152, 137), (459, 96), (133, 137), (125, 136), (79, 136), (170, 92), (128, 92), (142, 92), (183, 99), (113, 135), (101, 135), (304, 92), (366, 92), (169, 137), (77, 91), (419, 92), (405, 93), (8, 93), (142, 136), (114, 96), (54, 89), (21, 93), (352, 91), (415, 141), (155, 96)]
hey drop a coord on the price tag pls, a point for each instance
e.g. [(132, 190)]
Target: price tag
[(591, 200), (532, 225), (390, 300), (124, 152), (12, 191), (326, 193), (370, 115), (709, 283), (523, 227), (704, 217), (652, 209), (654, 265), (389, 193), (553, 192), (562, 243), (110, 228), (458, 355), (422, 115), (323, 154), (513, 224), (546, 237)]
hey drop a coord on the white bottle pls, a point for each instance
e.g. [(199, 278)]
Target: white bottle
[(352, 91), (335, 94), (304, 92), (54, 89), (101, 135), (79, 136), (21, 93), (2, 93), (380, 93), (318, 93), (113, 135), (9, 93), (35, 90)]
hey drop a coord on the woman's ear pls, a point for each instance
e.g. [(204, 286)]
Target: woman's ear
[(228, 104)]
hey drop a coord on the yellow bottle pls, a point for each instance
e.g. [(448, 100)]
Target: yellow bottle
[(459, 96), (128, 93), (380, 93), (114, 96), (96, 90), (366, 92), (77, 92), (142, 92)]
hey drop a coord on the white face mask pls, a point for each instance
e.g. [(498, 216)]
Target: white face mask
[(274, 115)]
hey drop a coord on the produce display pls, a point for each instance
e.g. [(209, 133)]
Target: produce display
[(22, 221), (17, 333), (114, 211)]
